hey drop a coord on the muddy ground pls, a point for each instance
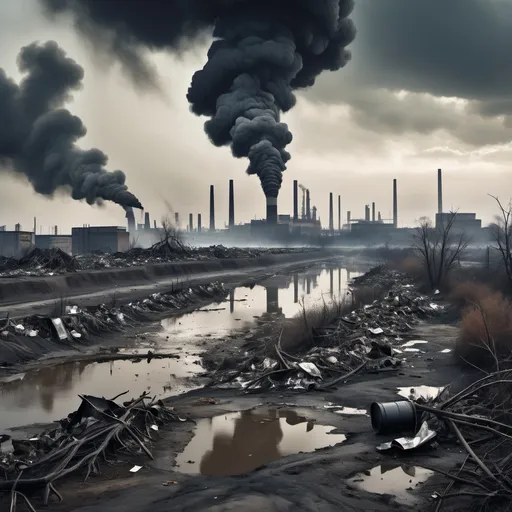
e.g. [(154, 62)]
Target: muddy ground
[(322, 480)]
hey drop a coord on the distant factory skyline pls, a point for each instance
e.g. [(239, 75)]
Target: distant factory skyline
[(385, 116)]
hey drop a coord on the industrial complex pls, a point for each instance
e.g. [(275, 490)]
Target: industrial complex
[(301, 226)]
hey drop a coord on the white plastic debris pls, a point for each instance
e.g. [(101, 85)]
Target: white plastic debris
[(135, 469), (59, 327), (424, 435), (72, 310), (311, 369), (19, 329), (32, 333), (414, 342), (332, 359), (376, 330), (75, 334), (154, 427)]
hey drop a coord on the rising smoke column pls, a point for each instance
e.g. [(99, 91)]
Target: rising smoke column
[(38, 137), (262, 51)]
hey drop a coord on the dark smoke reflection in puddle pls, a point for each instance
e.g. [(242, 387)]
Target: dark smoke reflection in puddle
[(392, 479), (237, 443), (281, 295), (49, 394)]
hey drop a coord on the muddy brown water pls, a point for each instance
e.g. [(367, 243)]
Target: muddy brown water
[(391, 478), (237, 443), (49, 394)]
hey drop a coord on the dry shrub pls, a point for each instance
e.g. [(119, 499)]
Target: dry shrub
[(469, 292), (486, 330), (298, 333)]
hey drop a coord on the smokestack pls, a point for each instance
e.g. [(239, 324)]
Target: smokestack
[(439, 191), (339, 213), (56, 230), (331, 213), (212, 208), (271, 210), (314, 213), (147, 222), (366, 213), (295, 200), (177, 220), (199, 223), (231, 204), (373, 212), (130, 219), (308, 205), (154, 224), (395, 205), (190, 222), (349, 213), (17, 227), (380, 217), (35, 225)]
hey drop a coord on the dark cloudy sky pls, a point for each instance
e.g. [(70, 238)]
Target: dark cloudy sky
[(429, 85)]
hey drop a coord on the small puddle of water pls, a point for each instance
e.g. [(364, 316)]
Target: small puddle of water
[(237, 443), (425, 392), (51, 393), (392, 480)]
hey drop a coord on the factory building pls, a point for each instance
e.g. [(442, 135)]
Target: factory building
[(62, 242), (108, 239), (16, 244)]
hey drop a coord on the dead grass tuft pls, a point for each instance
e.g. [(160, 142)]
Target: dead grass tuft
[(299, 333), (486, 330)]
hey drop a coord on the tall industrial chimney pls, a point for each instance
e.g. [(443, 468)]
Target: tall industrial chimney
[(35, 225), (349, 214), (271, 210), (154, 224), (199, 226), (331, 213), (231, 204), (339, 213), (295, 200), (308, 205), (212, 208), (56, 230), (366, 213), (177, 220), (130, 218), (314, 213), (147, 222), (439, 191), (395, 205), (373, 212), (191, 222)]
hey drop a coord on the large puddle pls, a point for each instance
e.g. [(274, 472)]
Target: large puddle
[(281, 295), (392, 479), (48, 394), (237, 443), (51, 393)]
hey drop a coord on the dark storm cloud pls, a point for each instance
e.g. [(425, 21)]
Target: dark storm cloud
[(263, 50), (38, 137)]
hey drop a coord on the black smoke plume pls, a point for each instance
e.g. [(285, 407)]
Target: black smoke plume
[(262, 51), (38, 137)]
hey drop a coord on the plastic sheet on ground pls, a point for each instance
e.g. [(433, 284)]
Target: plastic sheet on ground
[(423, 436)]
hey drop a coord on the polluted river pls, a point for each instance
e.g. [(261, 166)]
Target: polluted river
[(49, 393)]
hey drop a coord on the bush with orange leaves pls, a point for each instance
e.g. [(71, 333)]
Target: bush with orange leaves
[(486, 331)]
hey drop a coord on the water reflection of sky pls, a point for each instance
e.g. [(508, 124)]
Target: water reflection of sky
[(282, 294)]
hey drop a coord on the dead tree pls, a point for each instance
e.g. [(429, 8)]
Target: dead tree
[(439, 248), (170, 239), (501, 232)]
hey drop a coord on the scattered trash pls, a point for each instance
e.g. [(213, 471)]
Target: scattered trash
[(412, 343), (425, 393), (423, 436), (60, 330), (310, 369), (135, 469)]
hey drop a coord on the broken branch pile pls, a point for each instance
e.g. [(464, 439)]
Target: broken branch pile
[(479, 418), (99, 427), (364, 339)]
